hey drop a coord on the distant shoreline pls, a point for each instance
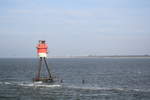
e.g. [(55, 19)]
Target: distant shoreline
[(112, 56)]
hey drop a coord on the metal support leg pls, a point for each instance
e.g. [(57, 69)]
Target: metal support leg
[(39, 69), (50, 76)]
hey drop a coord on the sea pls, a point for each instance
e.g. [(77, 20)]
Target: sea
[(76, 79)]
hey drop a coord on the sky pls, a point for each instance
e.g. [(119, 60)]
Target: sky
[(75, 27)]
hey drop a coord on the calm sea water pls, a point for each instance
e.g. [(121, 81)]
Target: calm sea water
[(104, 79)]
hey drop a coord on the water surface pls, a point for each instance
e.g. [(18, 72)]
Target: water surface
[(104, 79)]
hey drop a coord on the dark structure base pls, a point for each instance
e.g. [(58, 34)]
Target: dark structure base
[(44, 79)]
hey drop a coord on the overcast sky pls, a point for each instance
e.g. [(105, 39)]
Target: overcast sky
[(75, 27)]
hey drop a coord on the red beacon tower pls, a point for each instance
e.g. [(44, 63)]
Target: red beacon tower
[(42, 51)]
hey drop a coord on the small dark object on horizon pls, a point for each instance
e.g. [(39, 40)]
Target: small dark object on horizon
[(83, 81), (61, 81)]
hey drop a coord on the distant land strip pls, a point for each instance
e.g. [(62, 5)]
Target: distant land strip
[(109, 56), (88, 56)]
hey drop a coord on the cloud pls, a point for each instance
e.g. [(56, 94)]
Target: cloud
[(20, 11)]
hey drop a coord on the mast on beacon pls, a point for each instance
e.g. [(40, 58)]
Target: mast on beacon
[(42, 51)]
